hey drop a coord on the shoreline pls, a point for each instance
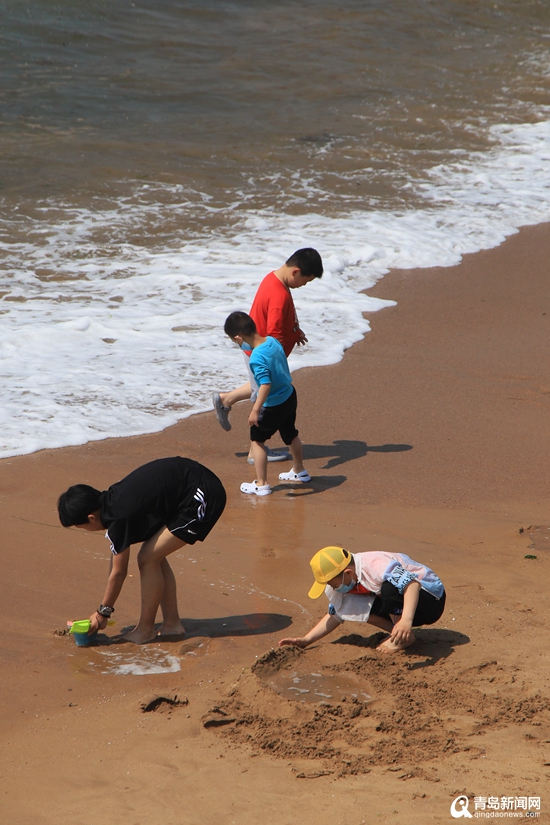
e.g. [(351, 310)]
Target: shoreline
[(203, 406), (431, 438)]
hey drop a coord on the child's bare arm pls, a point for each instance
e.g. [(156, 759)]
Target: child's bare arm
[(263, 392), (327, 624), (117, 573), (402, 629)]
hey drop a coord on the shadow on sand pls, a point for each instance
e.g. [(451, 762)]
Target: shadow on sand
[(432, 645), (249, 624), (343, 450), (339, 452), (318, 484)]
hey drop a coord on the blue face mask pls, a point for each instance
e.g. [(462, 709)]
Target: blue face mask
[(345, 588)]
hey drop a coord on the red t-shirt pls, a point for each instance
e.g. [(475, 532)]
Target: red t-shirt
[(274, 313)]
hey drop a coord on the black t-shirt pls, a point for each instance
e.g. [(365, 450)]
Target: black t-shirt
[(147, 499)]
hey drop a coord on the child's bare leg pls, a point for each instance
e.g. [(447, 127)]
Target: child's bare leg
[(380, 622), (171, 623), (240, 394), (297, 455), (150, 558), (260, 462), (228, 399)]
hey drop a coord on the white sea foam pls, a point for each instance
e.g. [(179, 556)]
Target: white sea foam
[(145, 663), (102, 337)]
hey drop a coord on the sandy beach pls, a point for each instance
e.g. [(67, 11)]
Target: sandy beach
[(430, 438)]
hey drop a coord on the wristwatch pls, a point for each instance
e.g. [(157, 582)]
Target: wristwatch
[(105, 611)]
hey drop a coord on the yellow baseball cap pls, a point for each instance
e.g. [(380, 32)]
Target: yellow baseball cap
[(326, 564)]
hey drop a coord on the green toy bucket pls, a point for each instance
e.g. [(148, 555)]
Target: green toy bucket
[(80, 631)]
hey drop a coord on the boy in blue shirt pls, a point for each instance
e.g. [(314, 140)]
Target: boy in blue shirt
[(275, 407)]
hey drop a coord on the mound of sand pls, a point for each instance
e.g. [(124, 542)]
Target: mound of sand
[(422, 708)]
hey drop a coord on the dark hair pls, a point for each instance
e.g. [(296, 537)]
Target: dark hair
[(239, 323), (308, 262), (77, 504)]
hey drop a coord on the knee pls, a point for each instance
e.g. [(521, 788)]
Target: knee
[(144, 559)]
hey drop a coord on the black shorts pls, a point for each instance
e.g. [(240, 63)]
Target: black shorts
[(193, 522), (390, 602), (281, 419)]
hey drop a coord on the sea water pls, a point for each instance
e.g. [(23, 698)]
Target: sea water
[(318, 687), (159, 158), (148, 662)]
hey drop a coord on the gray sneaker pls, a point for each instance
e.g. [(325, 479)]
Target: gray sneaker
[(222, 413), (273, 455)]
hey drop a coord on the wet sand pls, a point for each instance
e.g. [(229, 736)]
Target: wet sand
[(430, 438)]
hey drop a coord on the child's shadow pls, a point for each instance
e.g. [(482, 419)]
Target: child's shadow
[(249, 624), (343, 450), (339, 452), (318, 484), (432, 644)]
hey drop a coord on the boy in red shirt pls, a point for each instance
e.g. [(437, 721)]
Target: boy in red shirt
[(274, 314)]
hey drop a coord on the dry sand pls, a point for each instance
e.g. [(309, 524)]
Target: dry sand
[(431, 437)]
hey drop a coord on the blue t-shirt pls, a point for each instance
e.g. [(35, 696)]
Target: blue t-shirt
[(269, 366)]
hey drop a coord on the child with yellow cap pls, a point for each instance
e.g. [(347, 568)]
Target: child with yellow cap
[(388, 590)]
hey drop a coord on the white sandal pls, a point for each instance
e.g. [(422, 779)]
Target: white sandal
[(302, 476), (253, 488)]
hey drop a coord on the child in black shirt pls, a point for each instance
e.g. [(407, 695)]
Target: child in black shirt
[(165, 504)]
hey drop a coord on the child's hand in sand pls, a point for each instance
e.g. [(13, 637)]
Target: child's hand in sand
[(323, 627), (296, 642)]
